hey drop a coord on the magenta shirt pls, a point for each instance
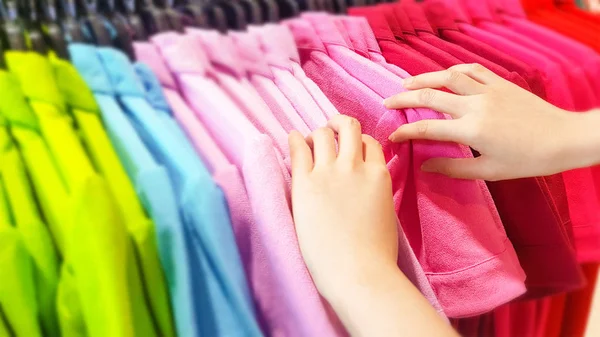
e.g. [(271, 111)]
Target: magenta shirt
[(286, 298), (422, 210)]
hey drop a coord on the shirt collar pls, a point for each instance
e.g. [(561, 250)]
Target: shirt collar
[(478, 10), (120, 72), (250, 54), (459, 11), (152, 86), (13, 105), (285, 40), (326, 30), (416, 16), (149, 54), (36, 76), (393, 21), (89, 65), (354, 28), (72, 86), (219, 49), (273, 54), (182, 53), (439, 16), (305, 35), (510, 7), (376, 19)]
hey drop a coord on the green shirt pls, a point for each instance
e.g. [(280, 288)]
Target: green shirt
[(93, 236)]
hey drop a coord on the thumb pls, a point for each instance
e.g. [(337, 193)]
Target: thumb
[(461, 168)]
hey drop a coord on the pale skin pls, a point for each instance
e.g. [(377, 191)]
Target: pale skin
[(342, 196)]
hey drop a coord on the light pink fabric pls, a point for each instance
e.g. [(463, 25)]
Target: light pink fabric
[(452, 225), (287, 45), (262, 78), (285, 295), (281, 66), (229, 74)]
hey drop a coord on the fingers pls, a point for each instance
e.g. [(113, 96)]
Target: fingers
[(431, 129), (454, 80), (349, 137), (372, 150), (438, 100), (463, 168), (477, 72), (322, 142), (302, 160)]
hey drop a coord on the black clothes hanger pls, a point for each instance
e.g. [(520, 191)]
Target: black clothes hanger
[(193, 11), (339, 7), (175, 18), (128, 8), (155, 19), (253, 11), (95, 23), (124, 32), (288, 8), (270, 10), (68, 19), (12, 26), (215, 17), (54, 33), (234, 13), (33, 28)]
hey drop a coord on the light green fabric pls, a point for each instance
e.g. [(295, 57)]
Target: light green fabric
[(80, 100), (4, 328), (34, 233), (72, 323), (94, 238), (17, 288)]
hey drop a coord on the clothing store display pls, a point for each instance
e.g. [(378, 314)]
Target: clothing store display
[(145, 186)]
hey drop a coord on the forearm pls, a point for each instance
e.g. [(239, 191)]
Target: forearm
[(580, 137), (385, 303)]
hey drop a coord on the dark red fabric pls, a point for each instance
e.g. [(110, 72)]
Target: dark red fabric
[(578, 305), (442, 19), (425, 32)]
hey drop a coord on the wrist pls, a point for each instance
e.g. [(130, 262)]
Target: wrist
[(581, 145)]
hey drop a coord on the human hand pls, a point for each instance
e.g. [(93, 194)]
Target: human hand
[(342, 206), (517, 133)]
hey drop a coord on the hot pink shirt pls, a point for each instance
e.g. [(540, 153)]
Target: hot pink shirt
[(283, 290), (262, 78), (423, 208)]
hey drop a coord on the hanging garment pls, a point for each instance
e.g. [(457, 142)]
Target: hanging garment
[(580, 88), (25, 214), (442, 19), (285, 282), (81, 101), (152, 184), (35, 74), (229, 74), (262, 78), (328, 73)]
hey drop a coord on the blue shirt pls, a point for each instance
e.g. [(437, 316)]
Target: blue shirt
[(152, 183)]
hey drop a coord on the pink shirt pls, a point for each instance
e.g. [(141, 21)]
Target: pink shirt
[(284, 293), (229, 74), (287, 45), (296, 93), (262, 78), (461, 273)]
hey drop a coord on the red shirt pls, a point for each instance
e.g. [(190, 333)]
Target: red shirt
[(443, 21)]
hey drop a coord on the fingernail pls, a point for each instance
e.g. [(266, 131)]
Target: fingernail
[(392, 137), (408, 81), (385, 102)]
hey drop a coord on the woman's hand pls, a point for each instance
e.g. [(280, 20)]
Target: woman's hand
[(517, 133), (347, 231), (342, 204)]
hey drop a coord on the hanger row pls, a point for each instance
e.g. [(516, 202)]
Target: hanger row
[(44, 25)]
